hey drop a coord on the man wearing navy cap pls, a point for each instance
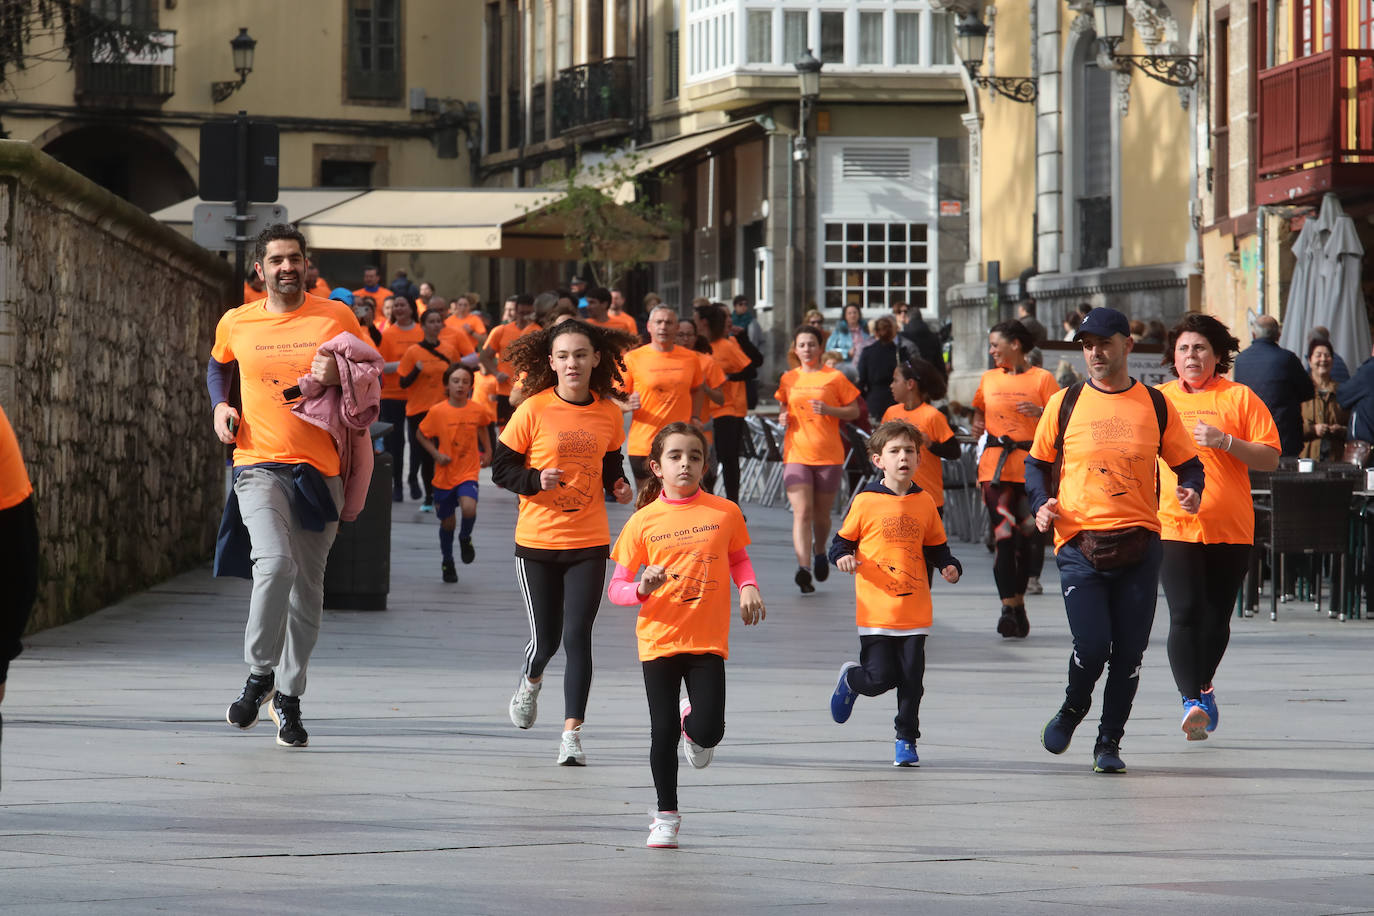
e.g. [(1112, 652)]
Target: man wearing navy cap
[(1107, 433)]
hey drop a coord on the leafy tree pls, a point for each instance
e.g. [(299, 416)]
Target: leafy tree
[(62, 30), (606, 217)]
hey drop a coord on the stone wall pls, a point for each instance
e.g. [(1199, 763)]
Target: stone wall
[(106, 323)]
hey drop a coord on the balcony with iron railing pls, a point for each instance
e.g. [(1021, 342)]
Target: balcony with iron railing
[(1316, 126), (538, 125), (496, 141), (594, 99), (143, 75), (515, 107)]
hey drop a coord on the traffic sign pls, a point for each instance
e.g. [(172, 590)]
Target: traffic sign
[(212, 225)]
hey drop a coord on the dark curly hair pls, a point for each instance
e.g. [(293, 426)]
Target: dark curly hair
[(1014, 330), (530, 357), (1224, 344)]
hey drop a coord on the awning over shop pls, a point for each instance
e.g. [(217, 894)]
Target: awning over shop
[(493, 222), (660, 155)]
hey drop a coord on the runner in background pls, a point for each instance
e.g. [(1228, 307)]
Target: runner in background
[(914, 385), (713, 384), (372, 286), (500, 338), (461, 316), (400, 334), (599, 312), (728, 420), (421, 375), (690, 545), (455, 434), (664, 384)]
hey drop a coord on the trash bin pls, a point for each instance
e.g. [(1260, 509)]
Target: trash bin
[(357, 576)]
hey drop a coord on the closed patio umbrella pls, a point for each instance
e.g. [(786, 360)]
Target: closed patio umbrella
[(1304, 290), (1340, 302)]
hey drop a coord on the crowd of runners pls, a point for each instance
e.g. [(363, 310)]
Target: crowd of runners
[(1135, 485)]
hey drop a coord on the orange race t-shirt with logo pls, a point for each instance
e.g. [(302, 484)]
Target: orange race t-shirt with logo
[(273, 352), (1110, 451), (891, 591), (693, 541), (552, 433), (395, 342), (456, 334), (621, 322), (456, 429), (253, 295), (712, 376), (484, 392), (811, 438), (930, 473), (14, 477), (664, 382), (1227, 515), (501, 337), (731, 360), (428, 387), (998, 393), (378, 297)]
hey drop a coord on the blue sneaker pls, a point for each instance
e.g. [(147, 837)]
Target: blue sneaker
[(1058, 732), (905, 755), (842, 700), (1208, 699), (1107, 757), (1194, 720)]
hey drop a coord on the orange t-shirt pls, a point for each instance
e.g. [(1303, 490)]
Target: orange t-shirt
[(380, 296), (731, 360), (456, 338), (891, 592), (551, 433), (14, 477), (713, 376), (428, 387), (500, 338), (997, 396), (395, 342), (321, 288), (1110, 449), (1227, 515), (456, 429), (664, 382), (621, 322), (253, 295), (484, 392), (273, 352), (472, 321), (813, 439), (693, 541), (930, 473)]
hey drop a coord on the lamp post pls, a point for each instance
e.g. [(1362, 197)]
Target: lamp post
[(970, 41), (1109, 21), (809, 87), (242, 45)]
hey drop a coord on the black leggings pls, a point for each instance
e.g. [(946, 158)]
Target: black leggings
[(19, 572), (562, 600), (663, 677), (394, 412), (421, 461), (1007, 509), (1201, 582), (729, 436)]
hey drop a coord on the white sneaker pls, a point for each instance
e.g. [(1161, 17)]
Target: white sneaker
[(570, 751), (1033, 586), (663, 831), (697, 756), (524, 705)]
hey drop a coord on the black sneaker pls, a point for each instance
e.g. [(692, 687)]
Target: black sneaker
[(820, 567), (1107, 757), (286, 712), (243, 712), (1022, 622), (1006, 624), (416, 492), (397, 494), (450, 574), (803, 580), (465, 551), (1058, 732)]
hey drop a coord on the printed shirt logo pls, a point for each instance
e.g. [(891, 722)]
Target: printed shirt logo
[(904, 535), (581, 470)]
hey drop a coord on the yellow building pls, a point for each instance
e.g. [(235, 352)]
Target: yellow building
[(1086, 195), (367, 93)]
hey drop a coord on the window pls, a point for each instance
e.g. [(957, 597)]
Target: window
[(1095, 192), (870, 38), (670, 65), (540, 40), (563, 25), (374, 50), (759, 36), (596, 31), (872, 264), (906, 35), (942, 39), (495, 103), (1221, 130), (794, 36), (832, 38)]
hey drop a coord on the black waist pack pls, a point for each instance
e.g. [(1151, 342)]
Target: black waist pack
[(1107, 550)]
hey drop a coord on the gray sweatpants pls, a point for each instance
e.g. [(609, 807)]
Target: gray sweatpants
[(288, 576)]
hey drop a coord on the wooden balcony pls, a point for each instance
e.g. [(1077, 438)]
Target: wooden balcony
[(1316, 127)]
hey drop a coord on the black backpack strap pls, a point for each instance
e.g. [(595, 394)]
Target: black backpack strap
[(434, 348), (1066, 406), (1161, 410)]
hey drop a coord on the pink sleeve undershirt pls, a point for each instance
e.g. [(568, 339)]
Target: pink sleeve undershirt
[(624, 590)]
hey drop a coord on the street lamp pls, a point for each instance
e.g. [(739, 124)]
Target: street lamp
[(970, 40), (1109, 21), (242, 46), (809, 82)]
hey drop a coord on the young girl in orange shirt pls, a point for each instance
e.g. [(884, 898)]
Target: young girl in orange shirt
[(690, 544)]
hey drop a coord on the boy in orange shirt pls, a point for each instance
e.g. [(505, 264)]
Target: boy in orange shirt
[(892, 530), (454, 432)]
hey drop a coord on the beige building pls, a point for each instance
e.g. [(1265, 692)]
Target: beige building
[(367, 93)]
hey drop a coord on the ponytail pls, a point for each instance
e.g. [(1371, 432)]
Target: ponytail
[(649, 491)]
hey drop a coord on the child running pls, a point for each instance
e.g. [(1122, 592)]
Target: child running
[(889, 535), (559, 451), (458, 427), (685, 539)]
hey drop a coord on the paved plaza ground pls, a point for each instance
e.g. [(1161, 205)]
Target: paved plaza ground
[(125, 791)]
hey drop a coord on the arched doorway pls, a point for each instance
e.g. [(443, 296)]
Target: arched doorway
[(140, 166)]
